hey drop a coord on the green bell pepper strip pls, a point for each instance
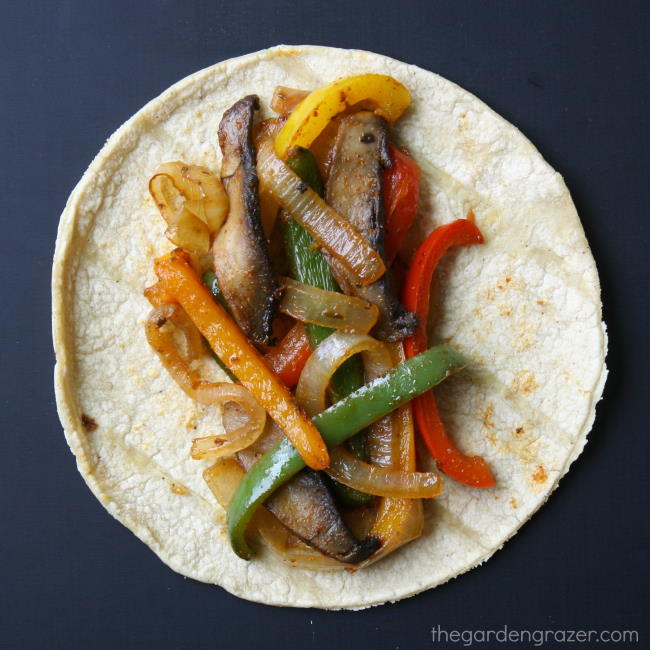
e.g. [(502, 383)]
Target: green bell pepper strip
[(310, 267), (210, 281), (336, 424), (307, 262)]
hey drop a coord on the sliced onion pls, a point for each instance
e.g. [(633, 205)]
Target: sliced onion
[(223, 478), (235, 438), (323, 223), (380, 441), (162, 341), (190, 331), (250, 426), (268, 212), (389, 438), (267, 129), (382, 481), (192, 201), (398, 520), (327, 358), (285, 99), (327, 308)]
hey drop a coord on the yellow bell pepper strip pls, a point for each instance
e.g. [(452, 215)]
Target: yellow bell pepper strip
[(243, 360), (389, 97), (338, 423)]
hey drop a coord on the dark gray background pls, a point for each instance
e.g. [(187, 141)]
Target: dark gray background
[(571, 75)]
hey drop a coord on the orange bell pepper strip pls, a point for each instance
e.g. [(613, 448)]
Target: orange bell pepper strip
[(289, 357), (470, 470), (401, 195), (238, 354)]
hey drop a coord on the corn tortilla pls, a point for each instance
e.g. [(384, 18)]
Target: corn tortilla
[(525, 307)]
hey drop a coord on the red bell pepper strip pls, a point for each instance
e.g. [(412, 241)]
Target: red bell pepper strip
[(401, 193), (470, 470), (289, 357)]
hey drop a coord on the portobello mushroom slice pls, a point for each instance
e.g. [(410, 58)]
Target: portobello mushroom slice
[(305, 506), (240, 250), (354, 190)]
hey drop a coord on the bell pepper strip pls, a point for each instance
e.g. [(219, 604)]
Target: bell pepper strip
[(399, 521), (329, 229), (401, 195), (244, 361), (157, 295), (388, 96), (288, 358), (337, 423), (210, 281), (470, 470), (308, 265)]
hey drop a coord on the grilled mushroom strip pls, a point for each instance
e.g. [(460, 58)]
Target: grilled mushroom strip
[(354, 190), (240, 250), (306, 507)]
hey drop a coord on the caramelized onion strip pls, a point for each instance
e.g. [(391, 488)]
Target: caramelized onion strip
[(398, 520), (328, 357), (327, 308), (192, 201), (323, 223), (285, 99), (382, 481), (247, 428)]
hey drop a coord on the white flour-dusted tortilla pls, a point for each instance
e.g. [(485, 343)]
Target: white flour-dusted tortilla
[(525, 307)]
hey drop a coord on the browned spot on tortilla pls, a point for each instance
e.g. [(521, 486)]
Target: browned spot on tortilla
[(177, 488), (519, 431), (523, 341), (514, 503), (491, 438), (541, 302), (486, 415), (540, 475), (525, 382), (504, 310), (507, 280), (88, 423)]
